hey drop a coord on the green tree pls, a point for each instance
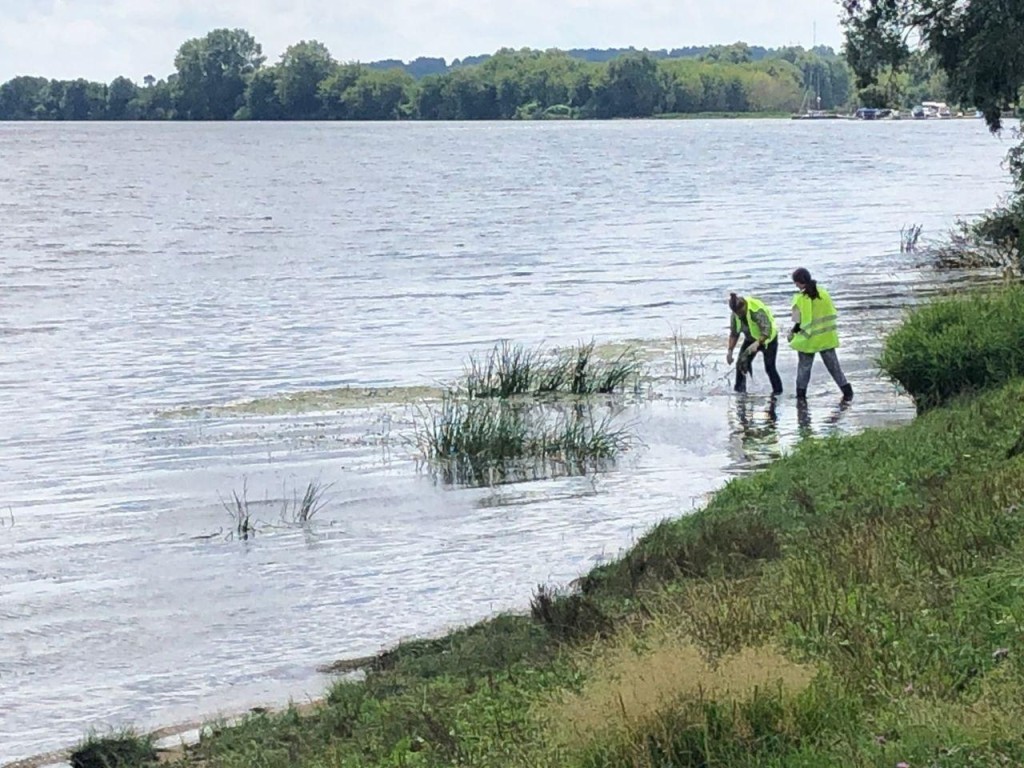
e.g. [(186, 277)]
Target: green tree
[(120, 95), (262, 99), (377, 95), (737, 53), (631, 87), (83, 100), (155, 101), (21, 96), (213, 72), (303, 67), (429, 99), (977, 43), (334, 91)]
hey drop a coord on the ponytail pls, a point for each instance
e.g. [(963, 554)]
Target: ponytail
[(810, 286)]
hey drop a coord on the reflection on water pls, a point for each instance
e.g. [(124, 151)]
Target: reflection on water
[(756, 427), (759, 436), (267, 280)]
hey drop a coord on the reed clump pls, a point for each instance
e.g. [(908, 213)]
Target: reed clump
[(519, 414), (484, 442), (511, 370)]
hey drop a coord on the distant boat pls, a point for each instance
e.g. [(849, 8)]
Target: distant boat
[(872, 113), (929, 109), (868, 113)]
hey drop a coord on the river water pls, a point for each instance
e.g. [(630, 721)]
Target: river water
[(151, 268)]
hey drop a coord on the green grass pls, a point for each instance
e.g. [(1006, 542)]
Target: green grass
[(126, 749), (958, 345), (860, 602)]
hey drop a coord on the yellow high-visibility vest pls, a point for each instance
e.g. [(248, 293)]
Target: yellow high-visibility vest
[(818, 328), (754, 306)]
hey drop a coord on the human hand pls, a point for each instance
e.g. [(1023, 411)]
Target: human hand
[(728, 357)]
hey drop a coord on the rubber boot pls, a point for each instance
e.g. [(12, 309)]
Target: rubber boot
[(847, 393), (801, 394)]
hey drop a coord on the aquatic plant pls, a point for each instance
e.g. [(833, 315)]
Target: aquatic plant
[(508, 370), (294, 510), (511, 370), (300, 511), (239, 510), (486, 442), (688, 365)]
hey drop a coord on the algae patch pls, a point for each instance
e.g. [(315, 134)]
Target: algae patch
[(312, 400)]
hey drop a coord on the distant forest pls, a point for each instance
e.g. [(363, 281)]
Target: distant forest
[(426, 65), (225, 76)]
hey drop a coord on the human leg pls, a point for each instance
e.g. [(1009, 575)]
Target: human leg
[(771, 352), (831, 360), (805, 361)]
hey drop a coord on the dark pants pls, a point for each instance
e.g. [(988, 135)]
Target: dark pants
[(770, 352)]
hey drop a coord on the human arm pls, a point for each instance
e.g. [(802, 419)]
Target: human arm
[(763, 324), (795, 316)]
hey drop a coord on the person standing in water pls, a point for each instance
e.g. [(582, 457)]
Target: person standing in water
[(815, 332), (753, 320)]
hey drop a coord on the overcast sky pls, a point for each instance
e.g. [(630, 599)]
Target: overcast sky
[(101, 39)]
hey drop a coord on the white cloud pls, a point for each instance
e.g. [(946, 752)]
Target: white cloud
[(100, 39)]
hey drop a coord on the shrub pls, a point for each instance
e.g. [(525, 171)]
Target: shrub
[(958, 345), (125, 750)]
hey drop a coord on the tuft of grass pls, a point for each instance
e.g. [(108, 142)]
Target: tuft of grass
[(634, 681), (241, 513), (300, 511), (126, 749), (509, 370), (294, 511), (958, 345), (485, 442), (512, 370)]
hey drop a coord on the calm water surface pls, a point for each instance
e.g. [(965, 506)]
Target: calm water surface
[(147, 268)]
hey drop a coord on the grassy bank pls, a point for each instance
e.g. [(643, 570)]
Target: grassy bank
[(858, 603)]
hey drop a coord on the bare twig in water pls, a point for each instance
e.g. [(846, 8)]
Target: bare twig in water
[(688, 365), (909, 236)]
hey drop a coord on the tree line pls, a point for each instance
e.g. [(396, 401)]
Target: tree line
[(224, 75)]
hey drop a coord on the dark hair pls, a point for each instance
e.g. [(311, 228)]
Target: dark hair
[(810, 287), (735, 302)]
